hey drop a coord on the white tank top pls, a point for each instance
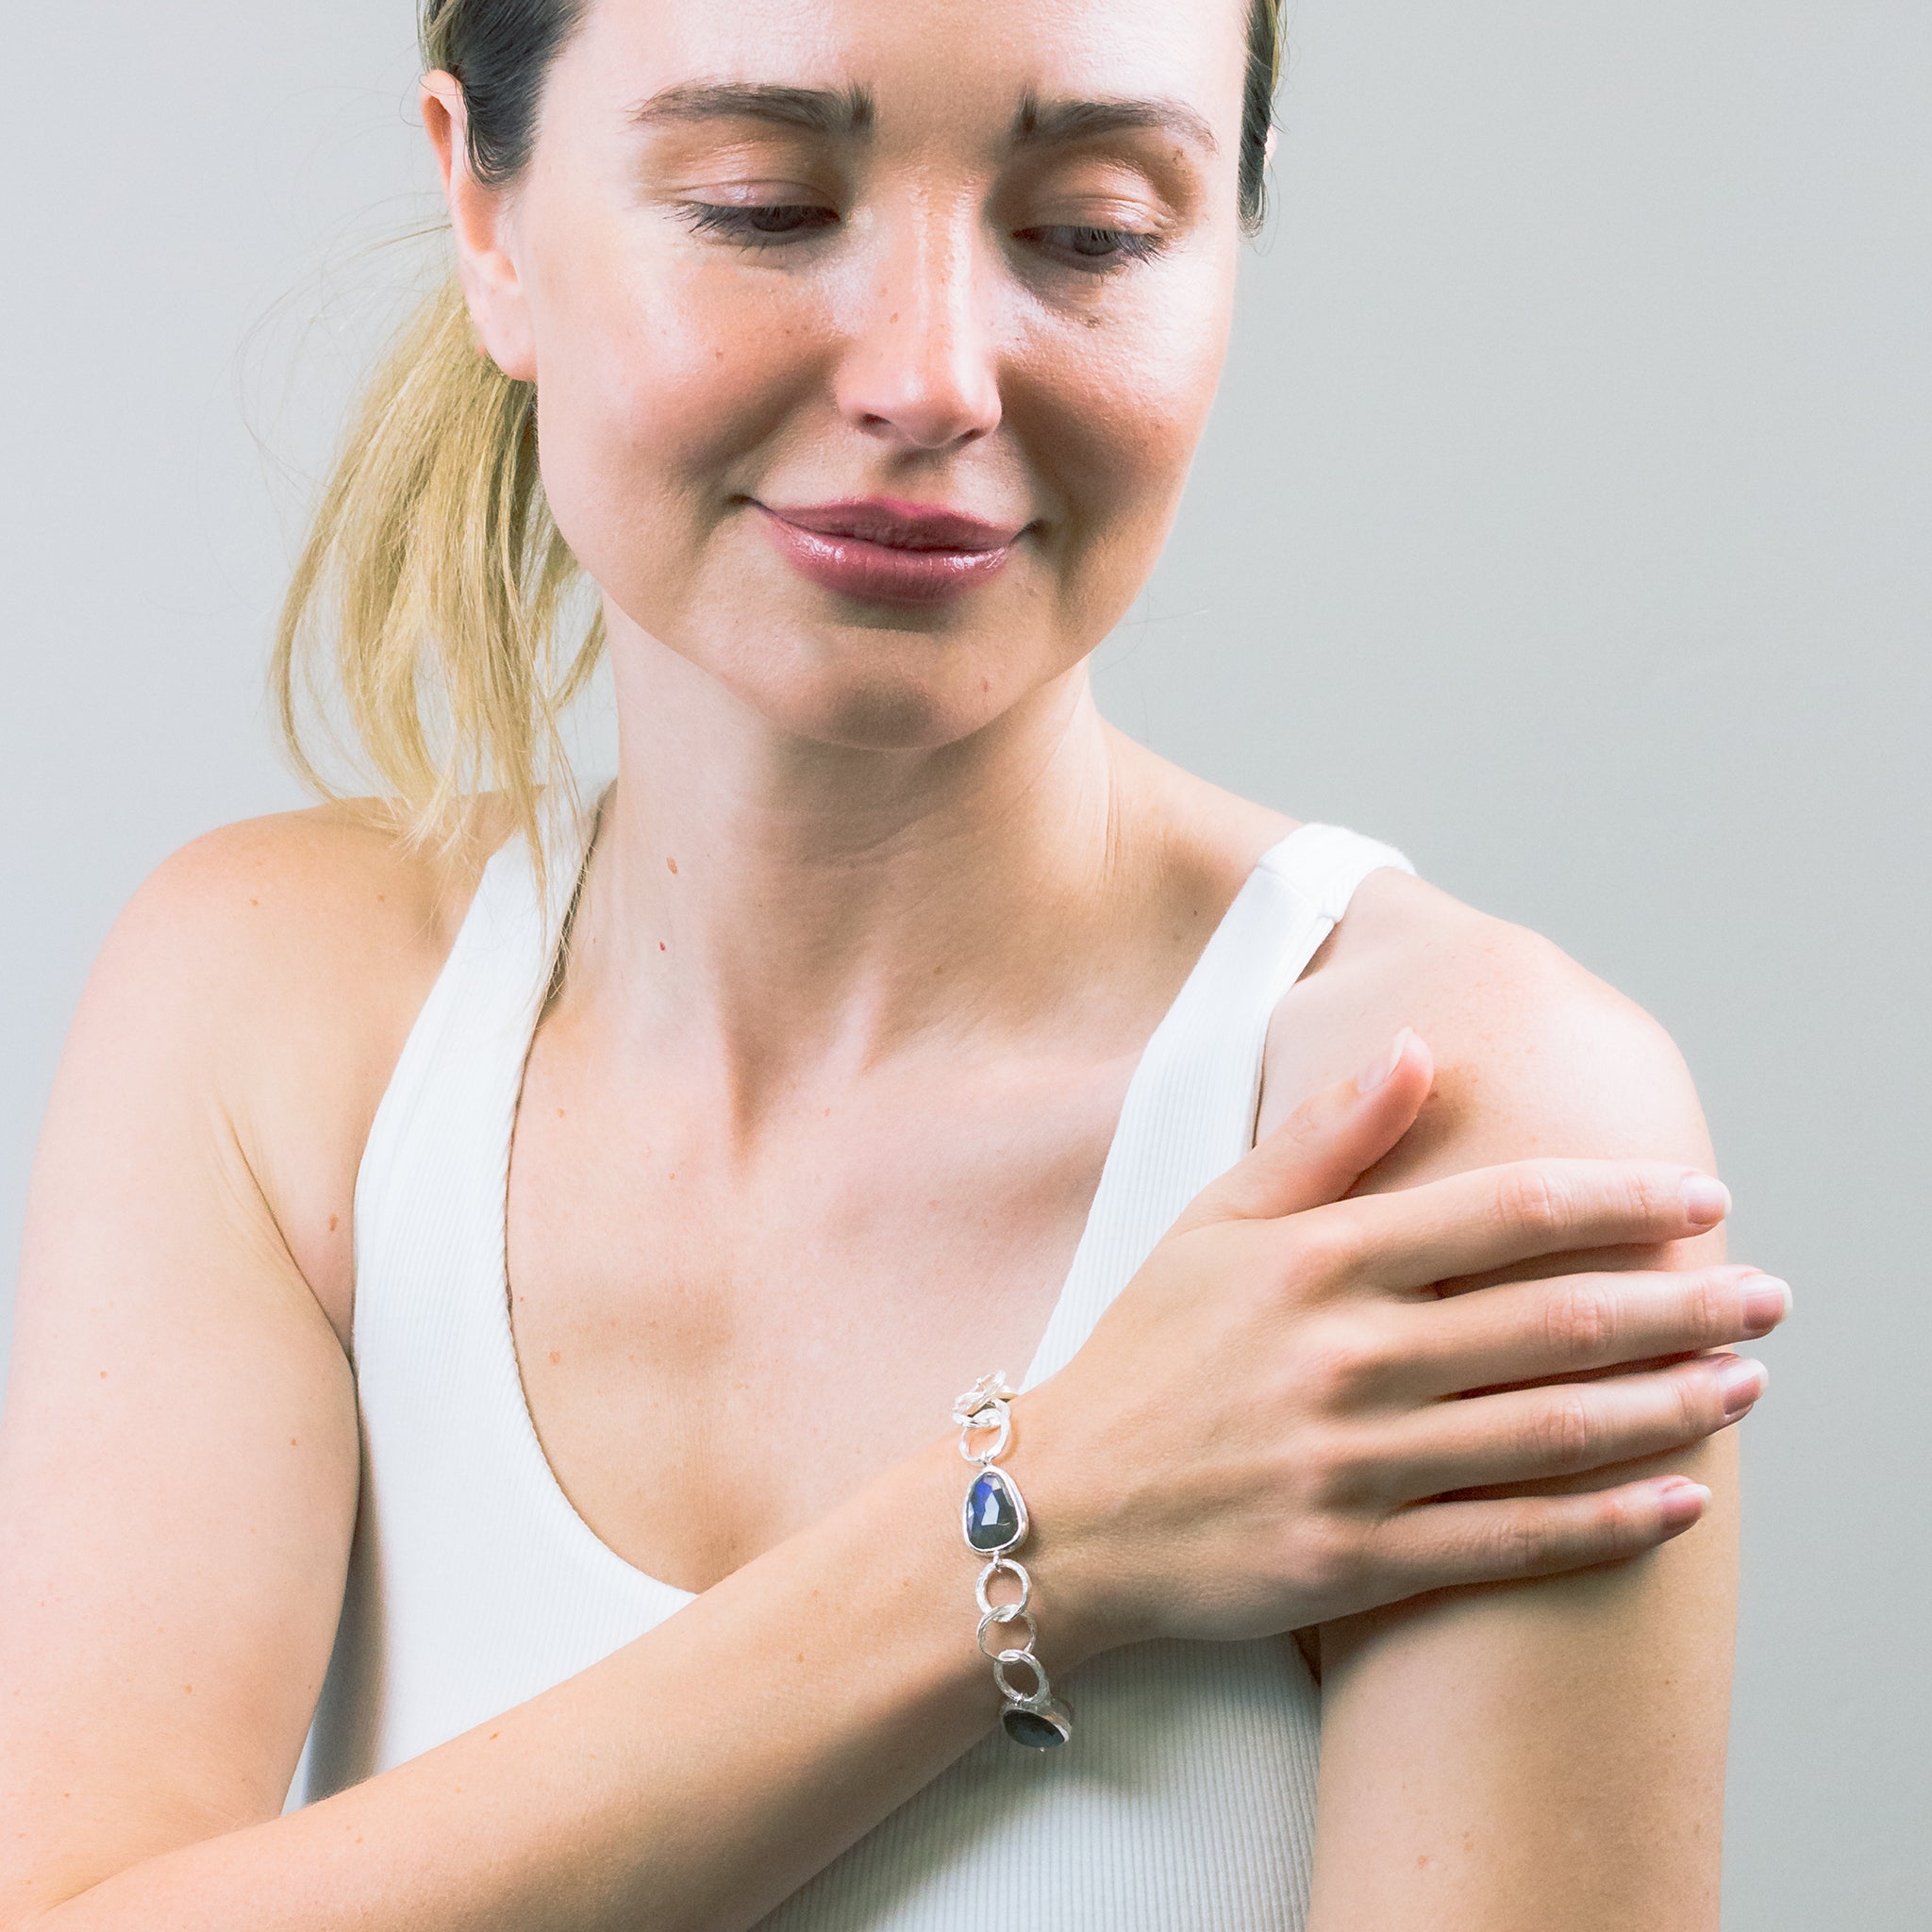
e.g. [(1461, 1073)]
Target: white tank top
[(1186, 1798)]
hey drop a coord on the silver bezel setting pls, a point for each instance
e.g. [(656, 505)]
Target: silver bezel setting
[(1012, 1488), (1047, 1711)]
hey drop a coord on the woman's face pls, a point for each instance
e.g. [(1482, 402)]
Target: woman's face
[(873, 338)]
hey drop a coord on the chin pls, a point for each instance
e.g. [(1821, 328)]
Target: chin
[(876, 688), (879, 712)]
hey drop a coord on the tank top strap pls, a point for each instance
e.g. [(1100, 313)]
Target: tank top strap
[(461, 1064), (1190, 1107)]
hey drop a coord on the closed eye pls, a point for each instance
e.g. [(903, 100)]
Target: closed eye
[(1092, 248), (759, 224)]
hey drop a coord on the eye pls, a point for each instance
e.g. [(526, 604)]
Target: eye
[(1094, 248), (759, 224)]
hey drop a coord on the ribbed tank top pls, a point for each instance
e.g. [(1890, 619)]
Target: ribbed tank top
[(1186, 1798)]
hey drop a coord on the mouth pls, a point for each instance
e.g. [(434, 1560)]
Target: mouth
[(882, 550)]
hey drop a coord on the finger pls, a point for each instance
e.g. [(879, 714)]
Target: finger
[(1493, 1217), (1327, 1143), (1526, 1434), (1434, 1545), (1529, 1331)]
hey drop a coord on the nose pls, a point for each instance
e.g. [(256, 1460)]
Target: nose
[(920, 368)]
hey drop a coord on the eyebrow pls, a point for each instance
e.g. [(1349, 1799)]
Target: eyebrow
[(853, 113), (1047, 122), (817, 110)]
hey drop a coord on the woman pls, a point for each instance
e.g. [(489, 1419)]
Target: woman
[(649, 1172)]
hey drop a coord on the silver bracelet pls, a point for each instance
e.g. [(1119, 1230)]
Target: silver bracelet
[(995, 1521)]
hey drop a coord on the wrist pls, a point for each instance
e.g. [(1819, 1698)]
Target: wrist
[(1075, 1538)]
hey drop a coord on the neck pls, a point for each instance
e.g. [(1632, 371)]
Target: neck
[(784, 906)]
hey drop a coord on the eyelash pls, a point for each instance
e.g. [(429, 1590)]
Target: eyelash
[(740, 222), (1129, 245), (752, 225)]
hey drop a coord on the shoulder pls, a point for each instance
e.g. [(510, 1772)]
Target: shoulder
[(333, 875), (273, 967), (1534, 1054), (287, 917)]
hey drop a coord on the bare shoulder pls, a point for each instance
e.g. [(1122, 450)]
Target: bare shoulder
[(1534, 1054), (1588, 1707), (280, 961), (340, 873)]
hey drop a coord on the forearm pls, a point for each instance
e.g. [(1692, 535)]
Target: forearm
[(691, 1779)]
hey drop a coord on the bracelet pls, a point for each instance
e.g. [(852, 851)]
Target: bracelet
[(995, 1521)]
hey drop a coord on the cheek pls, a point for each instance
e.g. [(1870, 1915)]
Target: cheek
[(1111, 414), (658, 384)]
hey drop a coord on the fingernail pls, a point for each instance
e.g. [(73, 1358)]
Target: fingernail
[(1740, 1382), (1683, 1502), (1378, 1070), (1767, 1302), (1706, 1201)]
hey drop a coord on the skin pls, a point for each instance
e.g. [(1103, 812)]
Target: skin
[(879, 919)]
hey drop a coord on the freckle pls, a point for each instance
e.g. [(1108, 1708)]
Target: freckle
[(254, 902), (560, 1113), (381, 899), (292, 1443), (190, 1689), (672, 864), (662, 947), (555, 1356), (985, 684), (828, 1113), (895, 315), (104, 1375), (332, 1224), (494, 1734), (1421, 1860)]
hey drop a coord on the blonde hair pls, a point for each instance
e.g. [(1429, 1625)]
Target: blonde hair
[(433, 575), (438, 574)]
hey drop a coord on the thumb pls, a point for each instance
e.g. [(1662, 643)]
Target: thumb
[(1327, 1145)]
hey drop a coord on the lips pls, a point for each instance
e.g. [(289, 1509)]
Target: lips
[(885, 551)]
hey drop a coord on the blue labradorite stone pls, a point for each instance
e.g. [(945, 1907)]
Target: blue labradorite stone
[(992, 1513), (1037, 1733)]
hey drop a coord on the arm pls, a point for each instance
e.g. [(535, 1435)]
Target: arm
[(1546, 1753), (178, 1472)]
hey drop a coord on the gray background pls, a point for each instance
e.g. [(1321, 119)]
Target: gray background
[(1564, 521)]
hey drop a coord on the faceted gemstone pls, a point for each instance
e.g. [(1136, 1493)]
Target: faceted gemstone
[(992, 1512), (1029, 1727)]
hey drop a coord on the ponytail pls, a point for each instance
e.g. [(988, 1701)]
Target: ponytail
[(436, 570)]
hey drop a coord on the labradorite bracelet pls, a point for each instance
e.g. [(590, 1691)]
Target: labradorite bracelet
[(995, 1521)]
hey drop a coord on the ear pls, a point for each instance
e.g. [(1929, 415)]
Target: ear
[(479, 219)]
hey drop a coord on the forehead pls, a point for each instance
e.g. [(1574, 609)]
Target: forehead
[(927, 64)]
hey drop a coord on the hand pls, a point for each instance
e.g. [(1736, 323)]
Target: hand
[(1258, 1435)]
